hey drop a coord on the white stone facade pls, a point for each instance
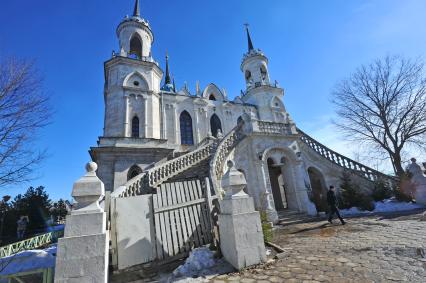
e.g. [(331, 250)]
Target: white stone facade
[(147, 122)]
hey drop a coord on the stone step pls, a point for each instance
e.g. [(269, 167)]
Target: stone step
[(288, 217), (199, 171), (149, 272)]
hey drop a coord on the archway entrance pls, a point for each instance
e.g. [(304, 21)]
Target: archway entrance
[(319, 190), (215, 125), (277, 185)]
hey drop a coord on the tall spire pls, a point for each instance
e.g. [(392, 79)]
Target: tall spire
[(168, 85), (167, 80), (136, 11), (250, 43)]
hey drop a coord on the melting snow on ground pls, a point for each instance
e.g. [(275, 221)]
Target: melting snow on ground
[(388, 205), (200, 265), (28, 260)]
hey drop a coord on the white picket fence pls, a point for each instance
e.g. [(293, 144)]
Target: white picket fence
[(163, 226), (182, 218)]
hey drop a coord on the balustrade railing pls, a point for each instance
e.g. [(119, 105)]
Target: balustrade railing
[(342, 161), (258, 84), (274, 128), (162, 172), (226, 145), (134, 57)]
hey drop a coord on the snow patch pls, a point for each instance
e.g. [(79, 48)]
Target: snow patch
[(199, 259), (28, 260), (200, 265), (387, 205)]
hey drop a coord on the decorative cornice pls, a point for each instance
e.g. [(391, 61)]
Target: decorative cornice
[(134, 62)]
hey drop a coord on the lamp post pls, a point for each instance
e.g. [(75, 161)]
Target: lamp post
[(3, 208)]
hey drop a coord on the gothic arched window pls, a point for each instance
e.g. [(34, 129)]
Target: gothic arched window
[(185, 121), (136, 46), (263, 72), (248, 75), (215, 125), (133, 172), (135, 127), (240, 120), (212, 97)]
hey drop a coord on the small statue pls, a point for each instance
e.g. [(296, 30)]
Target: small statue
[(418, 179), (219, 134)]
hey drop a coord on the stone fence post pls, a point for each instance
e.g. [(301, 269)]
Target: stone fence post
[(83, 252), (240, 229)]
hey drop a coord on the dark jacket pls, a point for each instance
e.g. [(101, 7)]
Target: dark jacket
[(331, 198)]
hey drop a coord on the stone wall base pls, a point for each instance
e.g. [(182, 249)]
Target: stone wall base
[(82, 259)]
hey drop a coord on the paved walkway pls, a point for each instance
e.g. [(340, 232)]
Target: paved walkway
[(368, 249)]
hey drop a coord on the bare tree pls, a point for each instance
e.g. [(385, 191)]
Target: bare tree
[(384, 106), (24, 109)]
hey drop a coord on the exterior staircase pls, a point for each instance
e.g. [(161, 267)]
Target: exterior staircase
[(209, 159), (190, 163), (200, 171), (343, 161)]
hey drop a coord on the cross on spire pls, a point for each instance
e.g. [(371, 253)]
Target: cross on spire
[(250, 43), (136, 10), (167, 79)]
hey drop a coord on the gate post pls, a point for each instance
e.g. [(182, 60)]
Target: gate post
[(83, 252), (241, 236)]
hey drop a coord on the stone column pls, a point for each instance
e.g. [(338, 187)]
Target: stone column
[(83, 252), (126, 115), (196, 129), (271, 212), (302, 184), (147, 131), (241, 236), (176, 124)]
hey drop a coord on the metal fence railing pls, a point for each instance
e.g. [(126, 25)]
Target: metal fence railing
[(31, 243)]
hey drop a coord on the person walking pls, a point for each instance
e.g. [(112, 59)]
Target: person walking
[(21, 227), (332, 204)]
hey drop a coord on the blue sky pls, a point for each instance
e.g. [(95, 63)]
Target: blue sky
[(311, 45)]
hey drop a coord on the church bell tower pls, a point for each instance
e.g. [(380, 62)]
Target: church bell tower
[(254, 65), (259, 89), (132, 83), (135, 36)]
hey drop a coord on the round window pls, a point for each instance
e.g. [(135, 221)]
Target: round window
[(136, 83)]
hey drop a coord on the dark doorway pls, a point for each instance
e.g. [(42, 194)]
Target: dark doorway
[(277, 185), (133, 172), (215, 125), (319, 190), (240, 120)]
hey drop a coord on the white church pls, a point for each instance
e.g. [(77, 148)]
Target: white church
[(164, 152)]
